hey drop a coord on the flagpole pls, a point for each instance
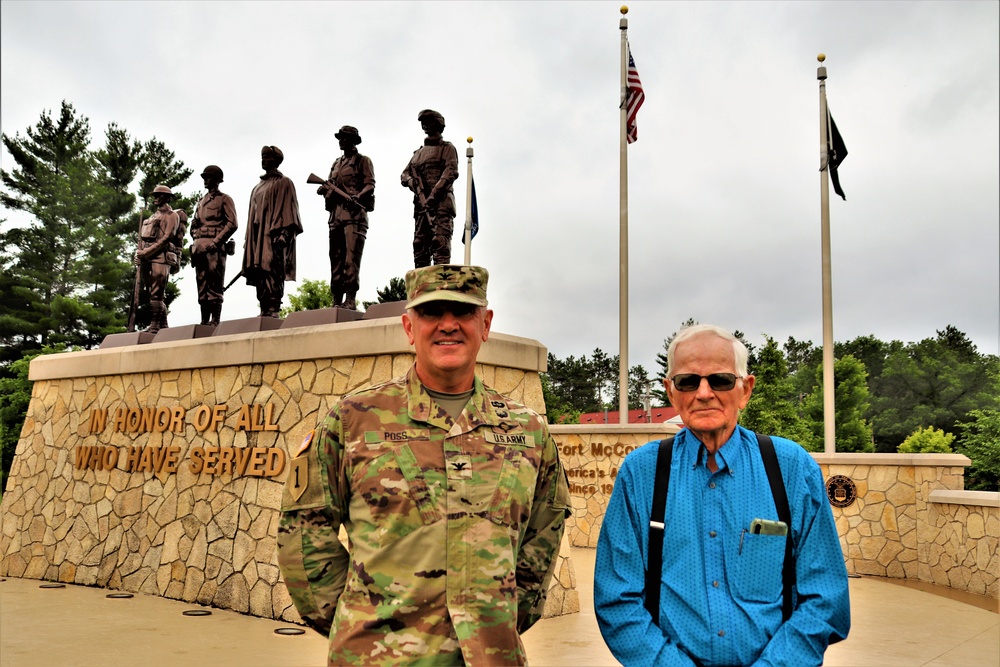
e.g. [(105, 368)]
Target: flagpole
[(829, 390), (623, 231), (468, 205)]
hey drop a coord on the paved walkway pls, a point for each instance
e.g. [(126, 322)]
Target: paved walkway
[(893, 626)]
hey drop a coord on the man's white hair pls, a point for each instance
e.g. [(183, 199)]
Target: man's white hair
[(740, 351)]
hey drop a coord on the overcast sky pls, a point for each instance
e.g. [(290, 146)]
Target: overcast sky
[(724, 188)]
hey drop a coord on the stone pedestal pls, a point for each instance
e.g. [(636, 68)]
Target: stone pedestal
[(247, 325), (159, 469), (390, 309), (309, 318), (127, 338), (185, 332)]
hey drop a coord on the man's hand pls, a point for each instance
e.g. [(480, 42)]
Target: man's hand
[(280, 241)]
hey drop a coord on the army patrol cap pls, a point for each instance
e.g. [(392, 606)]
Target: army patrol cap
[(430, 113), (348, 132), (446, 282), (213, 171), (162, 190)]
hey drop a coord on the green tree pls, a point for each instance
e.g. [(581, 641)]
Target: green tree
[(56, 181), (15, 395), (394, 291), (572, 383), (928, 440), (71, 263), (661, 361), (311, 295), (980, 441), (638, 382), (870, 351), (557, 411), (604, 370), (773, 407), (934, 382), (851, 402), (805, 364)]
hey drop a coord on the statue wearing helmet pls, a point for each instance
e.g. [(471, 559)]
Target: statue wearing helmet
[(430, 174), (213, 224)]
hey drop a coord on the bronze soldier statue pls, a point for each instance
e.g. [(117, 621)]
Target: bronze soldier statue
[(350, 195), (213, 224), (430, 173), (158, 253), (272, 225)]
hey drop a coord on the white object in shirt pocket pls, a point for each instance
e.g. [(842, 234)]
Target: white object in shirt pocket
[(756, 575)]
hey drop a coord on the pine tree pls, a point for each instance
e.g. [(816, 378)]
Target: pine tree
[(56, 182)]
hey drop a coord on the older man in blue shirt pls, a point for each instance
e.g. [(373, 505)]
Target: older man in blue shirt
[(721, 584)]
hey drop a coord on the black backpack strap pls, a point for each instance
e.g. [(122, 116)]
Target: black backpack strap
[(770, 459), (654, 568)]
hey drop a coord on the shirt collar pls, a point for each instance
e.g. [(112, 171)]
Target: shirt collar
[(479, 411), (724, 457)]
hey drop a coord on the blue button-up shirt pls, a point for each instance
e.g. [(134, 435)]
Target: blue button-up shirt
[(721, 589)]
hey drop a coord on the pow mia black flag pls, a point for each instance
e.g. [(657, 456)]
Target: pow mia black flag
[(836, 152)]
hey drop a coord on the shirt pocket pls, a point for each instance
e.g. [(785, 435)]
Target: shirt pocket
[(510, 504), (395, 492), (756, 576)]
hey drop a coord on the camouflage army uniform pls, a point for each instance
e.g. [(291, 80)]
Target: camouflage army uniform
[(454, 527)]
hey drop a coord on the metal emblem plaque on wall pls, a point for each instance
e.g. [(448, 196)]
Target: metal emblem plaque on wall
[(841, 491)]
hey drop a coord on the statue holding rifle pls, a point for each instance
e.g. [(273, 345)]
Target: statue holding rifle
[(350, 195), (430, 174)]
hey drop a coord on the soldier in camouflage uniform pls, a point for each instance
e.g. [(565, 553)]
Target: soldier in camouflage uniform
[(452, 495), (430, 174)]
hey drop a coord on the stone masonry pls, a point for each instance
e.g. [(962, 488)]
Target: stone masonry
[(192, 536), (910, 520)]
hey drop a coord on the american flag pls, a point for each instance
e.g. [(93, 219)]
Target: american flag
[(633, 99)]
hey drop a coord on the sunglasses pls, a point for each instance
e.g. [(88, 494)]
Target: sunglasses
[(437, 309), (692, 381)]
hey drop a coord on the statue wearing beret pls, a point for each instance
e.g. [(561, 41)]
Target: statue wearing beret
[(272, 225), (350, 194), (430, 174)]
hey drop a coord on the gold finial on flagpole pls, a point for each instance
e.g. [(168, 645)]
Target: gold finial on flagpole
[(624, 9), (821, 57), (469, 139)]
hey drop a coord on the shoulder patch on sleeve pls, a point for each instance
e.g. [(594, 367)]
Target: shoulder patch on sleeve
[(305, 444)]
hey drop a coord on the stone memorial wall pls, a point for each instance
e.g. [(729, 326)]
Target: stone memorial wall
[(159, 468), (908, 517)]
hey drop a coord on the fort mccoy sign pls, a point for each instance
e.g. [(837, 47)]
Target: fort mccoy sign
[(201, 458)]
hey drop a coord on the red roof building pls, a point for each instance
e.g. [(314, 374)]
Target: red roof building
[(654, 416)]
